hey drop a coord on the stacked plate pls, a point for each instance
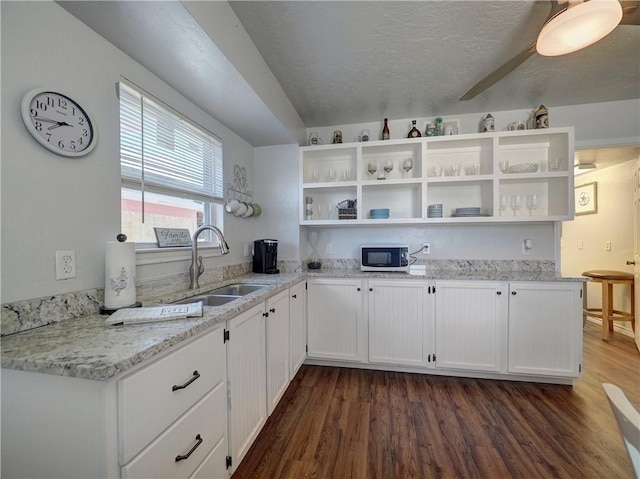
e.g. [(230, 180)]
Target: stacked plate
[(379, 214), (434, 211), (468, 211)]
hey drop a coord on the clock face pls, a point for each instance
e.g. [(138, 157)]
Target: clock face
[(58, 123)]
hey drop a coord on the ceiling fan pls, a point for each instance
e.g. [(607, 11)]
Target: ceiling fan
[(561, 12)]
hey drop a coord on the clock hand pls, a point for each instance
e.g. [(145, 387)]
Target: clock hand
[(59, 123), (39, 118)]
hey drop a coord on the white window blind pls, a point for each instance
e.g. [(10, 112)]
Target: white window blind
[(164, 152)]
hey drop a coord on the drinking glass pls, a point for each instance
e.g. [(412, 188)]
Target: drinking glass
[(504, 165), (407, 164), (503, 204), (332, 174), (532, 203), (316, 175), (372, 167), (516, 204), (329, 211), (346, 174), (455, 170), (437, 170), (388, 166), (554, 163)]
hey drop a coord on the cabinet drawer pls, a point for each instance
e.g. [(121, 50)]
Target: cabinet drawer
[(205, 420), (147, 401)]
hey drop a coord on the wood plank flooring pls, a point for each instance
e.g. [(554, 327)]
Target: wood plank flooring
[(348, 423)]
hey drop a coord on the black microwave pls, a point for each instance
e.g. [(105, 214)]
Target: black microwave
[(384, 257)]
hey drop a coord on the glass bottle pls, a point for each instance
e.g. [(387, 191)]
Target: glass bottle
[(414, 132), (385, 131)]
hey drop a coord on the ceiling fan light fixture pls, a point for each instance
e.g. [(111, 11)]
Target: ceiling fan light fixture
[(578, 26)]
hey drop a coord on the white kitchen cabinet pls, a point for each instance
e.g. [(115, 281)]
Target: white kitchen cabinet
[(336, 326), (247, 382), (400, 315), (471, 325), (277, 333), (545, 329), (330, 174), (297, 327)]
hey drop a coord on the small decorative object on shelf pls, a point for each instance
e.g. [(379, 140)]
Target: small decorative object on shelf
[(308, 208), (385, 131), (364, 135), (347, 210), (489, 123), (431, 129), (337, 137), (414, 132), (438, 126), (542, 117), (314, 139)]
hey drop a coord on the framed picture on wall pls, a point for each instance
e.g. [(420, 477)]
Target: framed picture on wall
[(586, 199)]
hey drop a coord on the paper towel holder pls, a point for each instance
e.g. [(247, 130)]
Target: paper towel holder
[(107, 311)]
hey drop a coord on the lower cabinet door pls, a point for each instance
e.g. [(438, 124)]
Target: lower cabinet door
[(178, 451), (471, 325), (277, 334), (297, 330), (398, 322), (246, 376), (545, 329), (335, 325)]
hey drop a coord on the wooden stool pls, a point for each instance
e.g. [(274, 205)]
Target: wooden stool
[(607, 314)]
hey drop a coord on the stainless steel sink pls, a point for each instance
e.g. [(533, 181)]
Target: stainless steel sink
[(209, 300), (238, 289)]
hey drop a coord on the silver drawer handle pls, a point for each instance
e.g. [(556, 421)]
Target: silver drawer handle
[(196, 375), (180, 457)]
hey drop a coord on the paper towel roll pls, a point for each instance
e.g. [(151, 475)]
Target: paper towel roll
[(120, 274)]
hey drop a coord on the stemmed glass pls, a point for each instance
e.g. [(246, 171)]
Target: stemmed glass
[(532, 203), (332, 174), (455, 170), (407, 164), (372, 167), (503, 204), (516, 204), (388, 166)]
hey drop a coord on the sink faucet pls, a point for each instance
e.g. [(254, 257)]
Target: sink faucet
[(196, 261)]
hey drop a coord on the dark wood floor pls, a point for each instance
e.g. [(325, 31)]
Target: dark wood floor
[(349, 423)]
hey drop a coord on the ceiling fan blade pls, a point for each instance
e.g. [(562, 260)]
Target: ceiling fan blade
[(512, 64), (630, 13), (500, 73)]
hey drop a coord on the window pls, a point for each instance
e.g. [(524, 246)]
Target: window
[(171, 170)]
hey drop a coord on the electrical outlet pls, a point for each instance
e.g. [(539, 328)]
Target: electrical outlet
[(65, 264), (607, 245), (426, 248)]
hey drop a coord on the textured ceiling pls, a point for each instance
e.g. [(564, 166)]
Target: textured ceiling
[(351, 62), (354, 62)]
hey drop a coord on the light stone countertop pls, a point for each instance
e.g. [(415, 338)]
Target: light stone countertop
[(86, 347)]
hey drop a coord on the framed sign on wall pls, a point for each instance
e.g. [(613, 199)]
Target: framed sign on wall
[(586, 197)]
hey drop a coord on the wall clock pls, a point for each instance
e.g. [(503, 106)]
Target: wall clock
[(58, 123)]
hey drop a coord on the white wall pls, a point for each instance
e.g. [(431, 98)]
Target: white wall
[(276, 173), (50, 202), (613, 222)]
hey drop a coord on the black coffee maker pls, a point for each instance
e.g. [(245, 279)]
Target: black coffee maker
[(265, 256)]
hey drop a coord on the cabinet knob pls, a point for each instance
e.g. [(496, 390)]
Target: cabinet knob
[(359, 289), (631, 263), (499, 293), (272, 310), (294, 296), (370, 289), (266, 315), (513, 293)]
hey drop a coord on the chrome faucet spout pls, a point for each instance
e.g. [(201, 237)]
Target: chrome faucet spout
[(196, 268)]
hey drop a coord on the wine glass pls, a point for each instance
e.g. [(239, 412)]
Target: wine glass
[(455, 170), (532, 203), (372, 167), (316, 175), (516, 204), (407, 164), (503, 204), (346, 174), (504, 165), (388, 166), (332, 174)]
